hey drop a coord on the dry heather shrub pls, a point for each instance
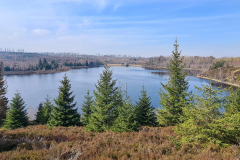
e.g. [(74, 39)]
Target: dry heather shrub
[(74, 143)]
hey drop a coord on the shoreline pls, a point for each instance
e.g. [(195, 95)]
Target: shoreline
[(9, 73), (197, 76), (165, 68), (35, 72), (42, 72), (216, 80), (124, 65), (189, 71)]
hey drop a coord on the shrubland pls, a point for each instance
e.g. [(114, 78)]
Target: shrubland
[(39, 142)]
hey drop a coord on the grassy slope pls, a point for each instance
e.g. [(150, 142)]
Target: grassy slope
[(38, 142)]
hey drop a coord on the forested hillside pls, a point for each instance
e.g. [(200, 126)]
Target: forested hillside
[(226, 70), (193, 63), (28, 63), (36, 63)]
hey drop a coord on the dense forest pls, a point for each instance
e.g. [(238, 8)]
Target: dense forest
[(189, 125)]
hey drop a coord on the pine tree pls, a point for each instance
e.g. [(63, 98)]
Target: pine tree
[(203, 121), (44, 111), (40, 64), (40, 114), (16, 114), (47, 109), (238, 95), (105, 104), (125, 122), (3, 99), (44, 61), (144, 111), (87, 108), (174, 96), (231, 120), (64, 114), (238, 98), (232, 101)]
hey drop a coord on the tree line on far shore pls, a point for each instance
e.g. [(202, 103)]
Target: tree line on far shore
[(198, 117), (52, 65)]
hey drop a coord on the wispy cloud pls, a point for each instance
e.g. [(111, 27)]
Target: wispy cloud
[(40, 32), (99, 4)]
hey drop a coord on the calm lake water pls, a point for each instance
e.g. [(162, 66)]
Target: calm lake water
[(35, 88)]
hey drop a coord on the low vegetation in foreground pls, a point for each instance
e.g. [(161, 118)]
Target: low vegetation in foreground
[(39, 142)]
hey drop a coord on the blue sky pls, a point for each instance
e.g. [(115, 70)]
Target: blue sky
[(132, 27)]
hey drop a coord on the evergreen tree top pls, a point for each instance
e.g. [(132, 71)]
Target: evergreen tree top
[(144, 111), (87, 108), (107, 98), (177, 78), (105, 88), (174, 96), (64, 97), (3, 83), (64, 114), (176, 45), (17, 101), (17, 114), (3, 98)]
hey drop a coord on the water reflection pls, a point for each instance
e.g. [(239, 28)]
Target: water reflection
[(161, 74), (222, 85), (189, 72)]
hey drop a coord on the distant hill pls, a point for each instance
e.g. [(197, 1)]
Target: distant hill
[(40, 63), (225, 70), (228, 75), (191, 62)]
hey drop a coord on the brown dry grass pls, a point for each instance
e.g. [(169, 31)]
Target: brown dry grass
[(38, 142)]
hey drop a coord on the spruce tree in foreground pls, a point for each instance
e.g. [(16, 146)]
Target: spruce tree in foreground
[(87, 108), (16, 114), (125, 122), (238, 96), (174, 96), (44, 111), (144, 111), (105, 105), (47, 109), (40, 114), (64, 114), (203, 121), (232, 101), (3, 99)]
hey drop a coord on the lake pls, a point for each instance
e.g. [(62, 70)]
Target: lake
[(35, 88)]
